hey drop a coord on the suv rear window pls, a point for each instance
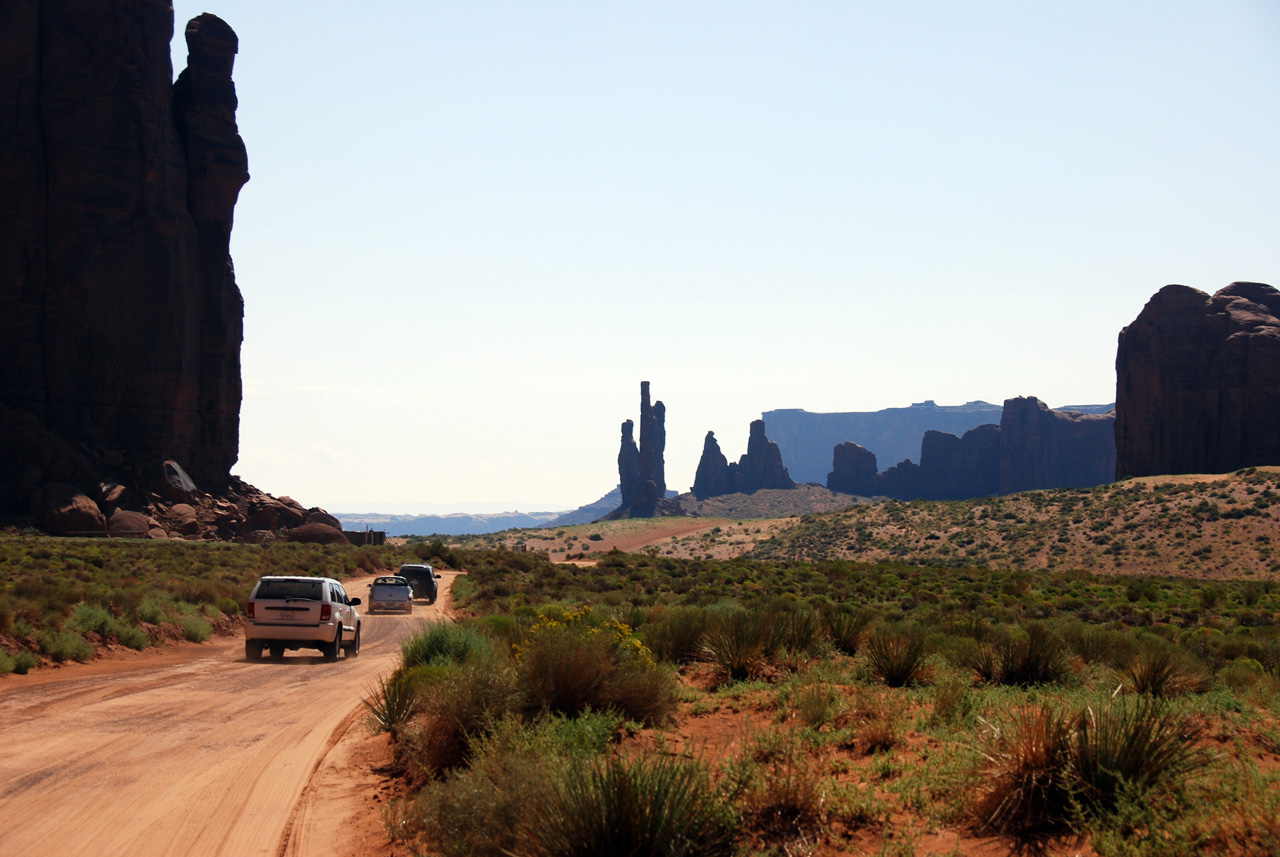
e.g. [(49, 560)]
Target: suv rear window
[(305, 589)]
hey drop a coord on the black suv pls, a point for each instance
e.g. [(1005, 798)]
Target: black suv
[(423, 579)]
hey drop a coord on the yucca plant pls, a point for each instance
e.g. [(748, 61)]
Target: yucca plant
[(646, 807), (848, 628), (390, 703), (897, 656), (1161, 672), (1131, 746), (1026, 763), (737, 643), (1036, 656)]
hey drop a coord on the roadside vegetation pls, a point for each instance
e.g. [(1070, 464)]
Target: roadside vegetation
[(836, 708)]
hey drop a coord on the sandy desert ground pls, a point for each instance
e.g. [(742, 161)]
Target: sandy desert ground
[(196, 751)]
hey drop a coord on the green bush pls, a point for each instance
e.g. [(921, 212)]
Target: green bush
[(195, 629), (442, 643), (675, 635), (64, 645), (154, 610), (647, 807), (23, 662), (92, 617), (8, 663)]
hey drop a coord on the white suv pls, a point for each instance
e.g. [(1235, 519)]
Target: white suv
[(301, 613)]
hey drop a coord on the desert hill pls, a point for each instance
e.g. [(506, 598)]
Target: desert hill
[(1209, 526)]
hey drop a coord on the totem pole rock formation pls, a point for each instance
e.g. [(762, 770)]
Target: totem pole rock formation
[(641, 470), (1198, 382)]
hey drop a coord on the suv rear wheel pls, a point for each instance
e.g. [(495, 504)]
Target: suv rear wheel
[(352, 649), (332, 650), (253, 650)]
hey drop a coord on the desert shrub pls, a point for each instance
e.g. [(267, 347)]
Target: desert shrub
[(478, 811), (196, 629), (783, 797), (465, 702), (1033, 657), (8, 663), (1243, 673), (442, 642), (737, 643), (896, 655), (1129, 748), (848, 627), (64, 645), (24, 661), (675, 635), (229, 606), (817, 705), (1027, 794), (565, 671), (645, 692), (952, 702), (92, 617), (154, 610), (643, 807), (1162, 671)]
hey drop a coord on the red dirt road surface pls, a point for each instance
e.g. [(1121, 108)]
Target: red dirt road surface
[(192, 752)]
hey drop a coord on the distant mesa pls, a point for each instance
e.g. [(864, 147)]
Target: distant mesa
[(1033, 448), (1198, 382), (758, 469)]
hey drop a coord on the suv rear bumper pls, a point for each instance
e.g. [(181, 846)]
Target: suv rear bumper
[(322, 633)]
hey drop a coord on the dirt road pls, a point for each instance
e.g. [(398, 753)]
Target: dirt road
[(195, 752)]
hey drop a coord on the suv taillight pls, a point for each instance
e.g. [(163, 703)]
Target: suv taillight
[(250, 609), (326, 611)]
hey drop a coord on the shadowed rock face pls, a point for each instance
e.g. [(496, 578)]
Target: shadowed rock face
[(1044, 448), (712, 478), (761, 466), (120, 319), (1198, 382), (853, 470)]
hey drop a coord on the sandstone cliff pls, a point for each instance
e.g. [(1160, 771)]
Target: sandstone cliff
[(120, 319), (1198, 382)]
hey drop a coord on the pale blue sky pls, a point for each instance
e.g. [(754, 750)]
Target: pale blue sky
[(473, 228)]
